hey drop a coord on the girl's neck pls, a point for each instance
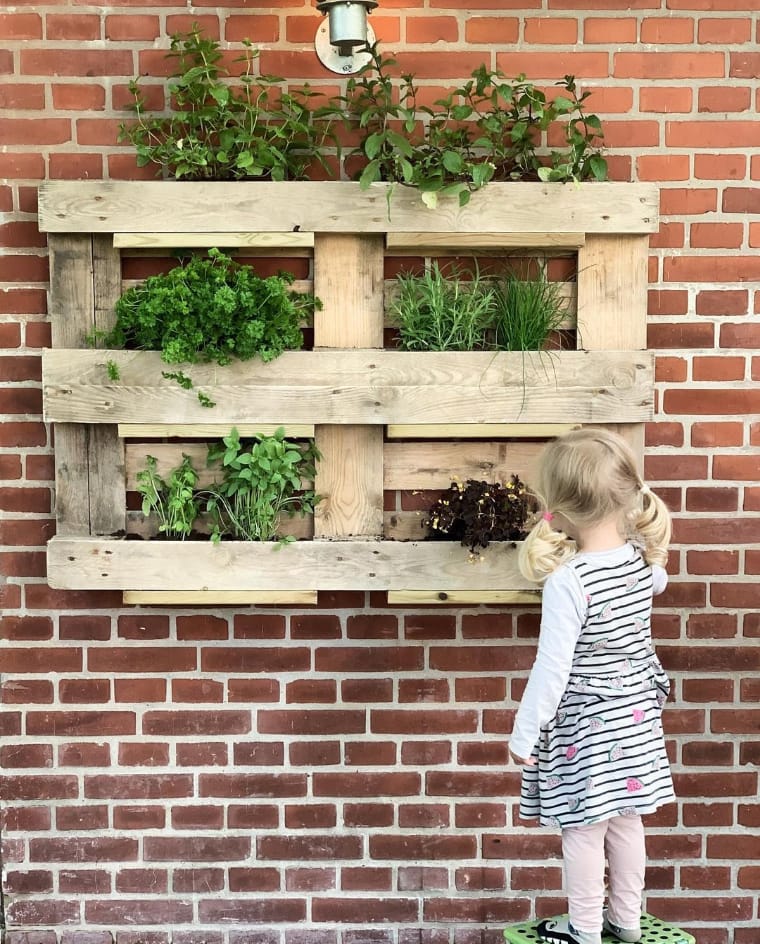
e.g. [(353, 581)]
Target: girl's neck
[(605, 535)]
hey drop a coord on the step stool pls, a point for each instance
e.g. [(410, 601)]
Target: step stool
[(653, 931)]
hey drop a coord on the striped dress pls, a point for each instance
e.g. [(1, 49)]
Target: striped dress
[(600, 751)]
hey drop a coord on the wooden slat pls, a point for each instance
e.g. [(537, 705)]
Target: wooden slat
[(220, 597), (106, 453), (478, 430), (406, 465), (299, 528), (207, 240), (71, 320), (348, 278), (90, 563), (462, 243), (464, 597), (431, 465), (341, 207), (350, 387), (209, 430), (612, 293), (612, 283)]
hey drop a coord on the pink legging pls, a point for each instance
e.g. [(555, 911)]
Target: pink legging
[(584, 848)]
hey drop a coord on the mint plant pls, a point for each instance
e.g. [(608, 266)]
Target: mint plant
[(218, 132), (261, 482)]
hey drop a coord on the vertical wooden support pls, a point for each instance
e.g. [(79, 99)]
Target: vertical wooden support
[(612, 303), (107, 458), (71, 306), (348, 279), (89, 460)]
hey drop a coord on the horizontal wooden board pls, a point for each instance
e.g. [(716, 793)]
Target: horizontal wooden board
[(208, 430), (416, 243), (109, 564), (220, 597), (341, 207), (463, 597), (406, 465), (355, 386), (481, 431), (207, 240)]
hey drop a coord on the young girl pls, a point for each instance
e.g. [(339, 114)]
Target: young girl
[(589, 730)]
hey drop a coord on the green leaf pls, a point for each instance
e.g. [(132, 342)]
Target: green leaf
[(430, 198), (453, 162), (598, 167)]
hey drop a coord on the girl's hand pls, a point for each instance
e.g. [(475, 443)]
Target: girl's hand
[(523, 761)]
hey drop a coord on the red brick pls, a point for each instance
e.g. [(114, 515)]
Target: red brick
[(667, 30), (720, 166), (550, 31), (723, 100), (491, 29)]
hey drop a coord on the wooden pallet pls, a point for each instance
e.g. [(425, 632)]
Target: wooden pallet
[(373, 411)]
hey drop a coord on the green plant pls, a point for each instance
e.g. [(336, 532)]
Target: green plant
[(436, 312), (218, 132), (476, 513), (261, 482), (526, 311), (487, 129), (211, 309), (112, 368), (175, 502)]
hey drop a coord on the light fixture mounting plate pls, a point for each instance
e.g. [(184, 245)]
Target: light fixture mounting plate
[(331, 58)]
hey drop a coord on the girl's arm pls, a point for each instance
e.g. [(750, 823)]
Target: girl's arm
[(563, 611)]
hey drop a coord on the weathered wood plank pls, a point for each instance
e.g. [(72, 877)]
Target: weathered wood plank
[(464, 597), (612, 293), (462, 243), (220, 597), (432, 465), (71, 306), (373, 387), (407, 465), (341, 207), (348, 277), (89, 563), (207, 240), (478, 430), (208, 430), (106, 454)]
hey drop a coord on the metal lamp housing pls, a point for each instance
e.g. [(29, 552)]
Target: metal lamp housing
[(348, 30)]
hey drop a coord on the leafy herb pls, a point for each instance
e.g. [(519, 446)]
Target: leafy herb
[(216, 132), (470, 312), (112, 368), (488, 129), (211, 309), (476, 513), (439, 313), (174, 502), (261, 483), (205, 400)]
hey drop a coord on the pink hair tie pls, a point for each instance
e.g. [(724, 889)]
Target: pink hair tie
[(547, 516)]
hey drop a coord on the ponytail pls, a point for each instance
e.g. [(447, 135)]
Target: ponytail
[(543, 550), (652, 525)]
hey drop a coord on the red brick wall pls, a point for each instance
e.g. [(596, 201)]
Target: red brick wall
[(340, 776)]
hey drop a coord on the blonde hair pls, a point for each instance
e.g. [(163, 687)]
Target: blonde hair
[(586, 476)]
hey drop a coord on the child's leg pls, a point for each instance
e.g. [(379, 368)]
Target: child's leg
[(583, 854), (627, 860)]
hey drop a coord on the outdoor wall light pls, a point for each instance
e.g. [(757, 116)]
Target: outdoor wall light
[(342, 39)]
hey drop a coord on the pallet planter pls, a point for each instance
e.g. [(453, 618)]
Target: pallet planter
[(372, 410)]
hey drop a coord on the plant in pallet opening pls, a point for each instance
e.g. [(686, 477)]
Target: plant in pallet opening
[(437, 312), (174, 503), (210, 309), (487, 129), (527, 313), (261, 482), (477, 513), (467, 311), (218, 132)]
